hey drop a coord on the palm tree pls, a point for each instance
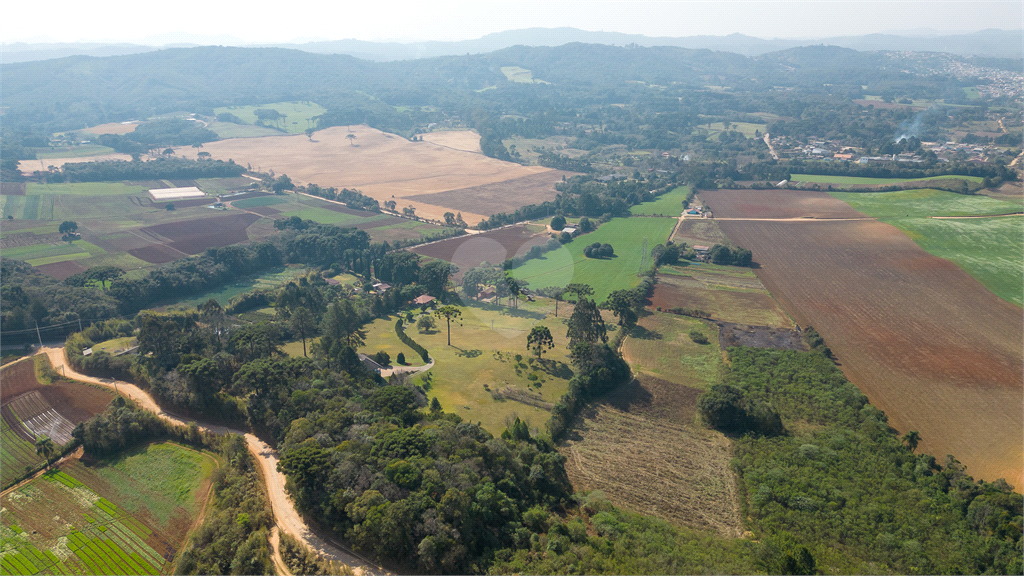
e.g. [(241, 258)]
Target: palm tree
[(351, 138), (911, 439), (45, 448)]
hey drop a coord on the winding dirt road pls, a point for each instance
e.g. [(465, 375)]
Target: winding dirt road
[(287, 518)]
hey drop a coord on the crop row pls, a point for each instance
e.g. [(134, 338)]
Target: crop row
[(30, 560), (105, 556)]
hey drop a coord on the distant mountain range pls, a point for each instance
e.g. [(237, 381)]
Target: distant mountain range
[(991, 43)]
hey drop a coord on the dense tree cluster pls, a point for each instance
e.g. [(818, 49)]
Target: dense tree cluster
[(157, 169)]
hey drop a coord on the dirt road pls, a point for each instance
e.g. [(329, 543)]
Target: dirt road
[(286, 516)]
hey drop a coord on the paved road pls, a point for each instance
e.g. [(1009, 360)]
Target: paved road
[(287, 518)]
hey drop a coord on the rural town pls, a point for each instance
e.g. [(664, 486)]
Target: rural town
[(684, 298)]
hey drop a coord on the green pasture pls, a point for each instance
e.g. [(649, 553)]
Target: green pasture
[(521, 75), (299, 115), (271, 279), (114, 345), (482, 359), (84, 189), (325, 216), (569, 265), (122, 260), (49, 253), (380, 335), (227, 130), (101, 517), (37, 230), (264, 201), (989, 249), (924, 203), (874, 181), (746, 128), (660, 345), (668, 204), (73, 151)]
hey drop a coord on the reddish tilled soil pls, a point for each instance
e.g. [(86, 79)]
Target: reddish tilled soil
[(77, 402), (494, 247), (776, 204), (61, 270), (195, 236), (921, 338), (498, 197), (18, 378)]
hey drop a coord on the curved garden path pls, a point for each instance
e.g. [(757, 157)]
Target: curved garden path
[(286, 516)]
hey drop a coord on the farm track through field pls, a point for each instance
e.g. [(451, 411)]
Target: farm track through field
[(285, 514)]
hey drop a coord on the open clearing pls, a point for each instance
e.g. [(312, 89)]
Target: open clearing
[(631, 238), (465, 140), (922, 339), (297, 115), (112, 128), (640, 444), (270, 279), (668, 204), (378, 164), (478, 376), (726, 293), (128, 514), (520, 75)]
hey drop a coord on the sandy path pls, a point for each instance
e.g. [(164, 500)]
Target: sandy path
[(285, 514)]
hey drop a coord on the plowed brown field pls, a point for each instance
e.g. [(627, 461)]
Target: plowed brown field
[(378, 164), (921, 338), (494, 247), (776, 204)]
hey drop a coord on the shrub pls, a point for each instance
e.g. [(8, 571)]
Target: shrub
[(558, 222), (698, 336), (400, 358), (382, 358)]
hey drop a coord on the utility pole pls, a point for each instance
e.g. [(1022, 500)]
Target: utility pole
[(38, 335), (79, 323)]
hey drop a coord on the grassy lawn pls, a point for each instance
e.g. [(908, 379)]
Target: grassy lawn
[(746, 128), (325, 216), (660, 345), (299, 115), (668, 204), (380, 335), (265, 201), (568, 264), (115, 345), (73, 151), (874, 181), (84, 189), (989, 249), (482, 359), (270, 279), (924, 203)]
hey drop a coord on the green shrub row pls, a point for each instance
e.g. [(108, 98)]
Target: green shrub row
[(410, 342)]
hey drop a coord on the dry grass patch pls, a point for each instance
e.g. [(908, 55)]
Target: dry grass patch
[(381, 165), (639, 446), (465, 140)]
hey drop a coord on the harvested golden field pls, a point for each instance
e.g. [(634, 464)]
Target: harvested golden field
[(111, 128), (465, 140), (921, 338), (27, 167), (381, 165), (639, 446)]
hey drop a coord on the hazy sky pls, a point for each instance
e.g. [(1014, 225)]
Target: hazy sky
[(223, 22)]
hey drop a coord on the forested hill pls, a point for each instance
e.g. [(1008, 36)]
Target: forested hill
[(79, 91)]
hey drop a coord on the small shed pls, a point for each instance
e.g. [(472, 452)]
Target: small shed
[(381, 287), (370, 363), (571, 230)]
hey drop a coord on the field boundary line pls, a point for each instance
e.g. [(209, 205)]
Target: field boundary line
[(977, 216)]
